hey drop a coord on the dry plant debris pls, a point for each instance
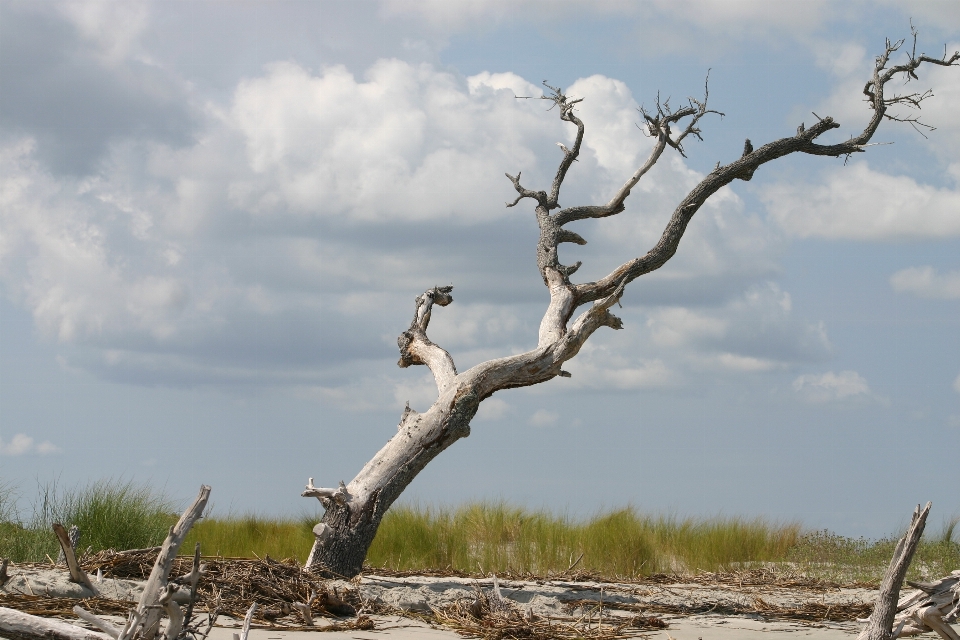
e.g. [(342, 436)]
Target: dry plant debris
[(492, 617), (230, 585)]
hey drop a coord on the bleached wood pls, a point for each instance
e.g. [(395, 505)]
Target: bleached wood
[(148, 607), (304, 609), (880, 623), (74, 534), (174, 614), (99, 623), (354, 510), (16, 625), (931, 607), (247, 620), (77, 574)]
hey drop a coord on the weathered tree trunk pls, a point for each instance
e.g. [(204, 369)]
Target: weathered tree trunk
[(354, 511), (880, 624), (352, 521)]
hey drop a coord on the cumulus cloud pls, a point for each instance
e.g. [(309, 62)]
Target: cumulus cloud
[(830, 386), (203, 262), (859, 203), (22, 444), (927, 282)]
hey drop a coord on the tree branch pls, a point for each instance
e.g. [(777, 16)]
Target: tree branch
[(750, 161), (416, 347)]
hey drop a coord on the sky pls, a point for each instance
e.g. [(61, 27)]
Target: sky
[(215, 218)]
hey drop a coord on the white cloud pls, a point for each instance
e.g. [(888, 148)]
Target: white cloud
[(21, 444), (830, 386), (543, 418), (927, 282), (858, 203)]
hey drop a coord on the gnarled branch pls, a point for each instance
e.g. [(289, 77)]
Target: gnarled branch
[(416, 347)]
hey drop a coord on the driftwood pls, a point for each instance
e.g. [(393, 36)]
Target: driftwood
[(143, 622), (23, 626), (67, 542), (932, 607), (247, 619), (880, 623), (74, 534)]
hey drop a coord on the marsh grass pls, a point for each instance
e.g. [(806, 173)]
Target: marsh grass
[(111, 514), (498, 537), (475, 538), (249, 536)]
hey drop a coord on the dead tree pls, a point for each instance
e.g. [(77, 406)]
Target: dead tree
[(354, 510)]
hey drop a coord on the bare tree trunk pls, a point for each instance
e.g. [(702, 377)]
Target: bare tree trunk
[(880, 624), (354, 510), (352, 521)]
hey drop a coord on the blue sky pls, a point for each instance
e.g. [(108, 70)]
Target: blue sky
[(215, 217)]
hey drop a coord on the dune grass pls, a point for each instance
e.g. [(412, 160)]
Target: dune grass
[(249, 536), (111, 514), (474, 538), (497, 537)]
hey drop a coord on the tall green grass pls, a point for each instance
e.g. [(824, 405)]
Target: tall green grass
[(247, 536), (111, 514), (497, 537), (473, 538)]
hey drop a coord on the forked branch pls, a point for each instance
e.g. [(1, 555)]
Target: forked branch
[(805, 141), (416, 347)]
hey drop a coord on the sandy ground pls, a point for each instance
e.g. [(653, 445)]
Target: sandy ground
[(675, 602), (707, 627)]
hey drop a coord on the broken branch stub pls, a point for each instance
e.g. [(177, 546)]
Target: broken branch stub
[(880, 624), (66, 550), (148, 607)]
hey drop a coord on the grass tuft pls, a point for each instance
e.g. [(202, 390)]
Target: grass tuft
[(111, 514)]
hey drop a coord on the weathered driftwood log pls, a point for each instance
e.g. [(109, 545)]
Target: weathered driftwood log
[(143, 623), (932, 607), (16, 625), (880, 624), (67, 542)]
